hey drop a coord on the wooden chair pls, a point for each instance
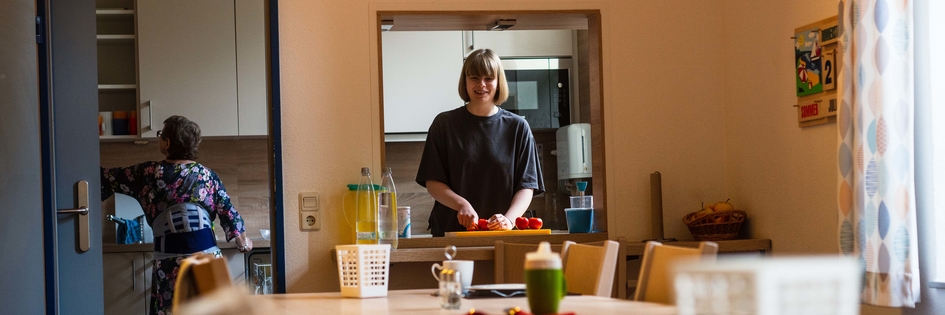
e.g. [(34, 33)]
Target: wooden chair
[(199, 275), (510, 260), (594, 277), (589, 268), (655, 283)]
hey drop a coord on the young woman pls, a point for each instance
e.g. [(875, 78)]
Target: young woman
[(180, 199), (479, 160)]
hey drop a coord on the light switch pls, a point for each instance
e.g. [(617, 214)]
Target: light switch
[(308, 201)]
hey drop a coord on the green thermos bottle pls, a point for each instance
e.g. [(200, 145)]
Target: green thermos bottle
[(544, 280)]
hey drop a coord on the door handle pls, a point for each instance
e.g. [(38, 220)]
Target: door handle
[(150, 113), (82, 209)]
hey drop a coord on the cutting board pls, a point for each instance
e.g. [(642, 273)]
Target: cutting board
[(498, 233)]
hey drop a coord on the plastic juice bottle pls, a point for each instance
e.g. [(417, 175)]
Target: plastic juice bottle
[(366, 204), (544, 280), (387, 210)]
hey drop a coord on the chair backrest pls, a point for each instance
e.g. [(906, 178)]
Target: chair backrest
[(594, 277), (589, 268), (510, 260), (199, 275), (655, 283)]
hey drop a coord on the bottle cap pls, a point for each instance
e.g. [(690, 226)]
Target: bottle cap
[(365, 171), (354, 187), (543, 258)]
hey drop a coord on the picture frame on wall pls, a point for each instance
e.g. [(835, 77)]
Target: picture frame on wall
[(807, 61), (817, 61)]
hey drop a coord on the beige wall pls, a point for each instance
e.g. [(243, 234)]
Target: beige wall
[(784, 175), (662, 99), (698, 90)]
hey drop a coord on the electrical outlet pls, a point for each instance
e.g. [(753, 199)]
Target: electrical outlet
[(309, 215), (310, 221)]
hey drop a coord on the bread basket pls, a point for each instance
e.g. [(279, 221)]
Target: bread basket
[(716, 226)]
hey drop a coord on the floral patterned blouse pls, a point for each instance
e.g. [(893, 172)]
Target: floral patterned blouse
[(158, 185)]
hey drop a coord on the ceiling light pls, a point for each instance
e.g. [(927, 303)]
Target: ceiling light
[(502, 25)]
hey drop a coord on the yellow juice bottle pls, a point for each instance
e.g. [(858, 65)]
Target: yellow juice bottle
[(366, 203)]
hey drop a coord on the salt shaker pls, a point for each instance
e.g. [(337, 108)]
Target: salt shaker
[(451, 289)]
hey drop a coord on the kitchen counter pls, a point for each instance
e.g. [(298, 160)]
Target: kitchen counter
[(472, 241), (149, 247), (476, 248)]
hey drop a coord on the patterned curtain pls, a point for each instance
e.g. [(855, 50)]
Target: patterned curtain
[(876, 155)]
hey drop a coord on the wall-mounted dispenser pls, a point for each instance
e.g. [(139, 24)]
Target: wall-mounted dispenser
[(574, 151)]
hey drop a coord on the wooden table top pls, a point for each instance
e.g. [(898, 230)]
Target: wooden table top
[(421, 301)]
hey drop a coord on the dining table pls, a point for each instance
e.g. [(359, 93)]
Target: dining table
[(424, 301)]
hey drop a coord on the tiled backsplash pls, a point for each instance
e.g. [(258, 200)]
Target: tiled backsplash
[(241, 164)]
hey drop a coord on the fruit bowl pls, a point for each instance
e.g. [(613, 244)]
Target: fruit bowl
[(716, 226)]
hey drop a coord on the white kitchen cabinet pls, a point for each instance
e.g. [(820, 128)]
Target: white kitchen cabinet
[(203, 60), (421, 69), (521, 44), (421, 76), (251, 75), (127, 282)]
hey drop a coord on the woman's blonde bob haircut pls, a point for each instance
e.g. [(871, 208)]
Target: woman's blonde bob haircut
[(484, 63)]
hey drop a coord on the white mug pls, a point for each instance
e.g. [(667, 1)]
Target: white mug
[(465, 268)]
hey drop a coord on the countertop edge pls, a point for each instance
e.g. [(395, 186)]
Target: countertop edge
[(149, 247)]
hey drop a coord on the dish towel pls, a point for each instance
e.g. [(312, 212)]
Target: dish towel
[(129, 231)]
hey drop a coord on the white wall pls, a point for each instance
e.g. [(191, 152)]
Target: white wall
[(662, 104), (698, 90)]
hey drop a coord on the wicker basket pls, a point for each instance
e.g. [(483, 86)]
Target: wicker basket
[(706, 228)]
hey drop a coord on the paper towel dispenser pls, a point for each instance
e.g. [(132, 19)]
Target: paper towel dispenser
[(574, 151)]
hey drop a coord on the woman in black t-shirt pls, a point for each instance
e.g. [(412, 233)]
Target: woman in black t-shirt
[(479, 161)]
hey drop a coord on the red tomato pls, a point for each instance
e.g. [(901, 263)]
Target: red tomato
[(483, 225), (521, 223), (534, 223)]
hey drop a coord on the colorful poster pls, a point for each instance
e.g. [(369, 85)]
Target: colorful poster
[(807, 53)]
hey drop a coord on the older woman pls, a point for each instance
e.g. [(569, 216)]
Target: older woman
[(180, 198)]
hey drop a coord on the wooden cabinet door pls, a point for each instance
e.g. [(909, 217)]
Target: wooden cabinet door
[(236, 263), (148, 263), (187, 64), (125, 289), (421, 76)]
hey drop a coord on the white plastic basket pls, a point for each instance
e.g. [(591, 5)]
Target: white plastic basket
[(770, 286), (363, 270)]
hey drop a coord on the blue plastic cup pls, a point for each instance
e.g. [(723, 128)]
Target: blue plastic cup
[(580, 220)]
